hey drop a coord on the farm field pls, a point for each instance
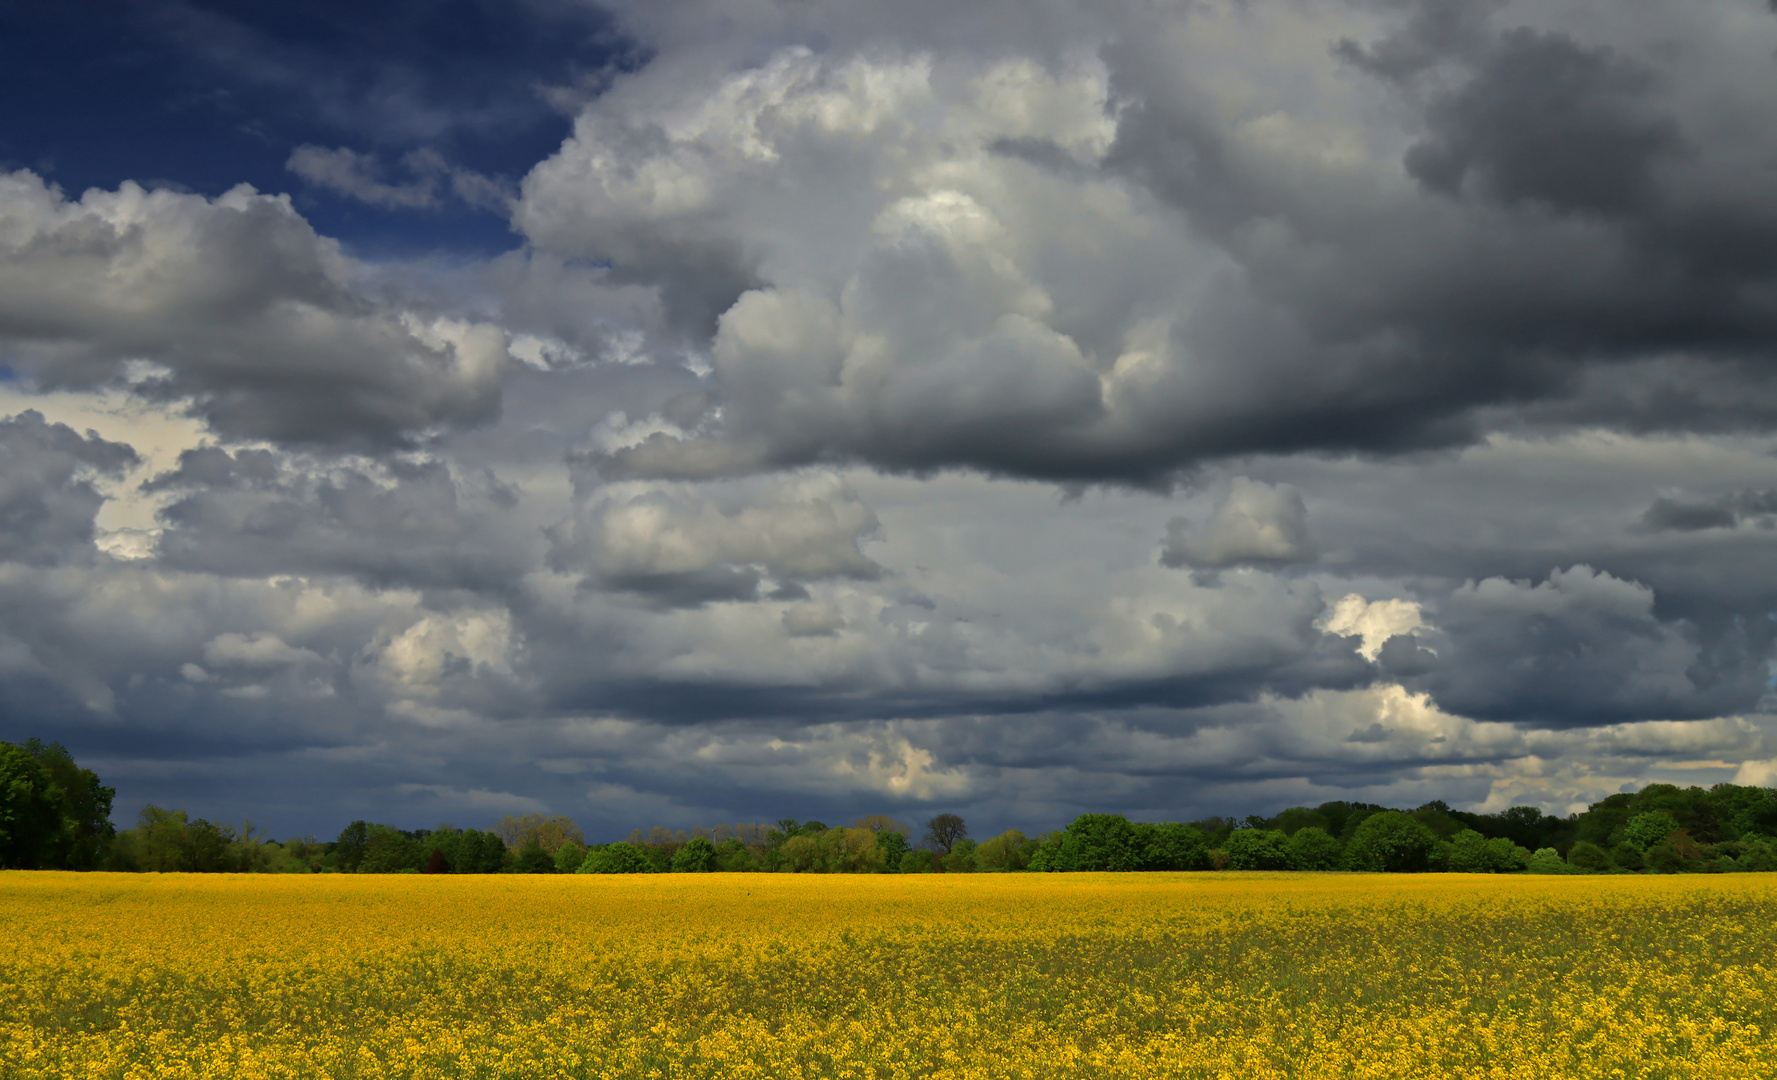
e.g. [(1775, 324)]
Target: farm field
[(779, 976)]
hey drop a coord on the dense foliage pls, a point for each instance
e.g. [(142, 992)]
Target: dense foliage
[(54, 815)]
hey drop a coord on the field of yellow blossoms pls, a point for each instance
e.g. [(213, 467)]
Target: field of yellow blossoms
[(779, 976)]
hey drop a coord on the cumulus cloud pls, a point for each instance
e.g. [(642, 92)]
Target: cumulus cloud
[(47, 497), (678, 547), (1581, 647), (1118, 256), (1255, 524), (414, 523), (238, 305)]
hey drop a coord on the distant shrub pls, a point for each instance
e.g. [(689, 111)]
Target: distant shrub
[(618, 858)]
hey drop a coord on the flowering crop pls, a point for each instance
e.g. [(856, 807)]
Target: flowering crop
[(955, 976)]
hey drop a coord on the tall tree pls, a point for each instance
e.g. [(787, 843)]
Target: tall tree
[(945, 830), (30, 811), (85, 834)]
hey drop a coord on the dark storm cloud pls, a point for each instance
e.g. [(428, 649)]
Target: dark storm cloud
[(47, 499), (1722, 512), (1582, 649), (1548, 121)]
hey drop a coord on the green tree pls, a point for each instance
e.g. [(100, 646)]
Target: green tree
[(734, 857), (348, 851), (618, 858), (479, 852), (1392, 842), (801, 854), (1312, 848), (1646, 830), (1098, 842), (569, 856), (1757, 853), (891, 845), (1170, 845), (533, 858), (1257, 849), (84, 837), (1008, 851), (698, 856), (1601, 822), (1663, 858), (961, 859), (388, 850), (30, 811), (1472, 853), (919, 862)]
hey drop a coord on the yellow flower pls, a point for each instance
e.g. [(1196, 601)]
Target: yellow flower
[(990, 976)]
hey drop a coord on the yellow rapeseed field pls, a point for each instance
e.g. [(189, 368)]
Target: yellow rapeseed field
[(779, 976)]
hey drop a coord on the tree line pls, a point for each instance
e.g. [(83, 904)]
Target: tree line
[(56, 815)]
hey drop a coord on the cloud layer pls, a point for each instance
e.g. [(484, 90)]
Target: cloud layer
[(1013, 408)]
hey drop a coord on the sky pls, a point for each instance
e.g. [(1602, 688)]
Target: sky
[(707, 411)]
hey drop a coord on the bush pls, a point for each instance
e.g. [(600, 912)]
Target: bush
[(1257, 849), (1312, 848), (1548, 861), (1757, 853), (919, 862), (1391, 842), (618, 858), (1628, 857), (1588, 857)]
